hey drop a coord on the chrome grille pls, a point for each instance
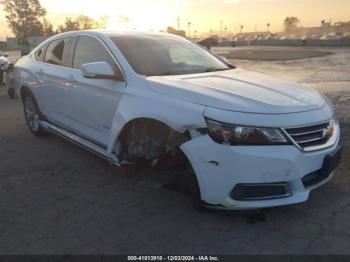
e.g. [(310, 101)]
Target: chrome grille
[(311, 136)]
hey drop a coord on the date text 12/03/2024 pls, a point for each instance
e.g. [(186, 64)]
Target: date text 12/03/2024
[(173, 258)]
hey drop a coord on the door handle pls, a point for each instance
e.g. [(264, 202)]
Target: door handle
[(72, 80)]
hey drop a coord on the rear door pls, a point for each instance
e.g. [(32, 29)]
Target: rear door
[(53, 74), (93, 102)]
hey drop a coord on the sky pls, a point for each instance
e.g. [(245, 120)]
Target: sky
[(203, 14)]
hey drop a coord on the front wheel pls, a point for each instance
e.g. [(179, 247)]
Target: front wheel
[(194, 191), (32, 115)]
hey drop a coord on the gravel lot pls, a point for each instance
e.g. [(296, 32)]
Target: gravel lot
[(56, 198)]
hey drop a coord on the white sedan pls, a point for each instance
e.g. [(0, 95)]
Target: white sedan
[(245, 140)]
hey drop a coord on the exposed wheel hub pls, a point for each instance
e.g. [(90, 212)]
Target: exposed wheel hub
[(32, 115)]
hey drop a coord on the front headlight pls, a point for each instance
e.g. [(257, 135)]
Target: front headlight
[(230, 134)]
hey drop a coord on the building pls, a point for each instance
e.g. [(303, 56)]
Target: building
[(3, 45), (173, 31), (325, 28), (13, 43)]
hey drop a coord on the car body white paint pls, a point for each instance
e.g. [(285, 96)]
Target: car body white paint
[(100, 108)]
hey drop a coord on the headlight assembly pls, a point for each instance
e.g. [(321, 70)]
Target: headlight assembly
[(230, 134)]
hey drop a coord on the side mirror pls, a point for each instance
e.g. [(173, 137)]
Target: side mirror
[(99, 70)]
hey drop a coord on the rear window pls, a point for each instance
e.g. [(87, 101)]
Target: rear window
[(58, 52), (39, 54)]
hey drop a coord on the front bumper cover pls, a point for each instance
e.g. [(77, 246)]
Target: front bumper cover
[(220, 168)]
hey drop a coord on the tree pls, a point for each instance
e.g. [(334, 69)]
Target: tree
[(47, 27), (102, 22), (69, 25), (23, 17), (80, 23), (85, 22), (291, 24)]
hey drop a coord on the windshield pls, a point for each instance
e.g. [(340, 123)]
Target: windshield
[(166, 55)]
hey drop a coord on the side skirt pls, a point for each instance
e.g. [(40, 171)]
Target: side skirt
[(97, 150)]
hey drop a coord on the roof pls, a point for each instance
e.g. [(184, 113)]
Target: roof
[(113, 33)]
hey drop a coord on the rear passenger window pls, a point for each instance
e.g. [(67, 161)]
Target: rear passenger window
[(90, 50), (58, 52), (39, 55)]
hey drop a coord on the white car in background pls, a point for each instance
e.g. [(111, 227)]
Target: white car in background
[(333, 36), (4, 62), (250, 140)]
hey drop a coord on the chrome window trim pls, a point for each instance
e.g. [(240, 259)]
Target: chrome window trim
[(48, 45), (48, 42)]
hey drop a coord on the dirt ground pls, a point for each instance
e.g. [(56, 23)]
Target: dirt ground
[(56, 198)]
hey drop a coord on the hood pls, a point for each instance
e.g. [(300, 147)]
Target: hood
[(239, 90)]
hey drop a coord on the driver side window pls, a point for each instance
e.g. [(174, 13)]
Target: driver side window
[(90, 50)]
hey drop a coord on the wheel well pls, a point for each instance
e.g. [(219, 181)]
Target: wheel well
[(143, 121), (147, 140), (24, 91)]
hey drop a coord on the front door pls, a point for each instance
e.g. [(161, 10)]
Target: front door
[(93, 102)]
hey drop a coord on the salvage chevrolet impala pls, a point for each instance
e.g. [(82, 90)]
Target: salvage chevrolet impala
[(248, 140)]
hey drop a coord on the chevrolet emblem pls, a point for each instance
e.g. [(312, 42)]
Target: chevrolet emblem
[(328, 132)]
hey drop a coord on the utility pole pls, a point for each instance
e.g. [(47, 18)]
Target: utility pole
[(221, 23), (268, 27), (241, 29), (178, 24), (188, 29)]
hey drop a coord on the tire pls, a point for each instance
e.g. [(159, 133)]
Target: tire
[(32, 114), (192, 187), (185, 181), (195, 192)]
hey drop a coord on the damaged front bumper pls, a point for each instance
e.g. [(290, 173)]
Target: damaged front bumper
[(254, 177)]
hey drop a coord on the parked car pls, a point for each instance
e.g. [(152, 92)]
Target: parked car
[(289, 37), (10, 81), (316, 36), (332, 37), (250, 140), (4, 62)]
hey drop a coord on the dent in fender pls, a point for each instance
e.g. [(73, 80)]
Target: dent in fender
[(177, 115)]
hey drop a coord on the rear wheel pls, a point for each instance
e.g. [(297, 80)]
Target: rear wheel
[(32, 115)]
